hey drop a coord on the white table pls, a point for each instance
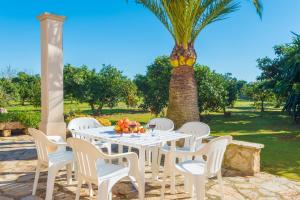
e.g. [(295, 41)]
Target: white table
[(139, 141)]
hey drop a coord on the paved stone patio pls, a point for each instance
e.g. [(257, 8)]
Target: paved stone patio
[(17, 166)]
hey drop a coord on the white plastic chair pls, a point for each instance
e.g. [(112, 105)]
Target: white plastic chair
[(82, 123), (51, 153), (162, 124), (92, 168), (198, 131), (200, 169)]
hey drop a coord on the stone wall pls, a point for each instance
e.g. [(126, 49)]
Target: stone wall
[(7, 127), (243, 157)]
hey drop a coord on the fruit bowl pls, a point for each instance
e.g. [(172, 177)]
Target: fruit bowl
[(126, 126)]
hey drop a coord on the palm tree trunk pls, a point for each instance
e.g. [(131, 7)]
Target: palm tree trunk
[(183, 97), (183, 93)]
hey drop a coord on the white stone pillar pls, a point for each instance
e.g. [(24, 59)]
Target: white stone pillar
[(52, 122)]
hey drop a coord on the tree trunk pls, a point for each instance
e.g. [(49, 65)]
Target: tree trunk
[(183, 96), (92, 107), (262, 108), (99, 110)]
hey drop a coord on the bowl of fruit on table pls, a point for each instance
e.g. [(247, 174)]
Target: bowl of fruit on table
[(127, 126)]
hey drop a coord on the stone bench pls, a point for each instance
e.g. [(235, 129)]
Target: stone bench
[(7, 127), (242, 158)]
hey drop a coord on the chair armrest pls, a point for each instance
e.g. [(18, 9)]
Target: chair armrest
[(199, 152), (55, 138), (57, 142), (132, 159), (128, 155)]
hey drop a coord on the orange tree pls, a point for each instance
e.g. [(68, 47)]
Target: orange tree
[(185, 19)]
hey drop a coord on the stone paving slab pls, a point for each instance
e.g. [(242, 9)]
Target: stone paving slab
[(18, 160)]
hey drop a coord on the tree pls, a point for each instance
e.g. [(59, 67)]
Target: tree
[(4, 97), (129, 93), (282, 74), (28, 87), (109, 86), (104, 88), (154, 86), (185, 19), (211, 89), (35, 93), (292, 105), (78, 83), (232, 89), (259, 94), (9, 88)]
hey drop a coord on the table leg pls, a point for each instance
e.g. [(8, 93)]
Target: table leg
[(142, 152), (171, 166)]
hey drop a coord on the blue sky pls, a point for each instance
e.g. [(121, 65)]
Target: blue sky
[(129, 37)]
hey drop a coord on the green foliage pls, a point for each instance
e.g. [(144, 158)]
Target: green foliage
[(258, 93), (129, 93), (185, 19), (104, 88), (4, 97), (28, 88), (211, 89), (282, 73), (292, 105), (231, 86), (154, 86), (28, 119)]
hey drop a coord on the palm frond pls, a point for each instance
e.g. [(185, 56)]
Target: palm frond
[(211, 11), (156, 7), (258, 6), (185, 19)]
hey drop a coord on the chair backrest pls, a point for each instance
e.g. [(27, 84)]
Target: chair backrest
[(43, 145), (87, 157), (82, 123), (215, 151), (198, 130), (163, 124)]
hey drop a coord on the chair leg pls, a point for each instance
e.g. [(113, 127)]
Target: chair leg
[(120, 150), (52, 171), (163, 185), (103, 193), (199, 184), (69, 174), (90, 189), (78, 189), (149, 152), (75, 171), (188, 186), (36, 178), (159, 159), (109, 153), (219, 175)]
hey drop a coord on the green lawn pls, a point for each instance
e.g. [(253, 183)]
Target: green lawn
[(272, 128)]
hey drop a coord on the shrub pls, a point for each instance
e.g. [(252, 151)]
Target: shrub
[(103, 121), (28, 119)]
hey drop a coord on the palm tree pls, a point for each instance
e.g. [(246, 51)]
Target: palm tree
[(185, 19)]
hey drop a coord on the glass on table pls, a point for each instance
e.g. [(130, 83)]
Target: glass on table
[(152, 127)]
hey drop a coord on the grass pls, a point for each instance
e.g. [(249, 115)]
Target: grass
[(272, 128)]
